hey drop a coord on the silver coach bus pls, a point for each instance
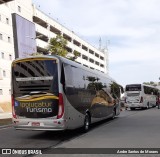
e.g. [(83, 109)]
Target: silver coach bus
[(54, 93), (140, 96)]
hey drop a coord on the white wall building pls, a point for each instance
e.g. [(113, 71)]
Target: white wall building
[(46, 28), (22, 8)]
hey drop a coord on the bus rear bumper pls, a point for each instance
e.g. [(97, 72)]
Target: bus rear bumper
[(134, 105), (38, 128), (42, 125)]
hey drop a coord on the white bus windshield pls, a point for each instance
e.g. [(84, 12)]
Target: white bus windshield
[(135, 87)]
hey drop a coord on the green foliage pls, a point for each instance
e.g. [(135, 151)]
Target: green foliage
[(94, 84), (76, 55), (36, 54), (146, 83), (150, 83), (57, 46), (115, 90)]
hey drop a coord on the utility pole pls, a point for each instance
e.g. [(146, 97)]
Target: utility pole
[(100, 43)]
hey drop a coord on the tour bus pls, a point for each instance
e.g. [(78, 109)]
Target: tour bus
[(140, 96), (54, 93)]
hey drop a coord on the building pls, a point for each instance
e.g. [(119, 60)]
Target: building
[(4, 1), (46, 28), (7, 53)]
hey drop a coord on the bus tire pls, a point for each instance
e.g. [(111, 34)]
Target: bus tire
[(148, 105), (87, 122), (114, 114), (132, 108)]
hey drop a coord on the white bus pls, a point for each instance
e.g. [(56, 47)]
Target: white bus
[(54, 93), (140, 96)]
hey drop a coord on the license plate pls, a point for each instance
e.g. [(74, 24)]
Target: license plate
[(35, 123)]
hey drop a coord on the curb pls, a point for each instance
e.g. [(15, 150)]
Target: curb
[(5, 122), (6, 126)]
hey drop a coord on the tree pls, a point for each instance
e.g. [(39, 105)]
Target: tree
[(76, 55), (146, 83), (150, 83), (57, 46), (36, 54)]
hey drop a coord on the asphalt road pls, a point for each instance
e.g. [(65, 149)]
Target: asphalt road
[(132, 129)]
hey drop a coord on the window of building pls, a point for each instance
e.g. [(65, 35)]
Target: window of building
[(19, 9), (9, 39), (2, 55), (97, 55), (1, 92), (102, 65), (4, 73), (91, 52), (84, 47), (102, 58), (1, 36), (10, 57), (7, 20), (91, 60), (97, 63), (84, 57), (85, 65), (76, 43)]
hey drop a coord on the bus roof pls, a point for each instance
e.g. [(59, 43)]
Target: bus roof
[(141, 85), (64, 60)]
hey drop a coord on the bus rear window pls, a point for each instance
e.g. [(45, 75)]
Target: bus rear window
[(35, 88), (133, 87), (35, 75)]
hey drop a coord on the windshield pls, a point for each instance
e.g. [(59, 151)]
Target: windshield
[(136, 87)]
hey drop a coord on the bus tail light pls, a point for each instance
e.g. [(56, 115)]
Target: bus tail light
[(60, 106), (141, 100), (13, 111)]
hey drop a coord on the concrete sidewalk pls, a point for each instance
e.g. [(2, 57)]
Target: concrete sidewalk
[(5, 115), (5, 120)]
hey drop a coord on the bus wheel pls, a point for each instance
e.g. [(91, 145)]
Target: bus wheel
[(114, 114), (132, 108), (87, 122)]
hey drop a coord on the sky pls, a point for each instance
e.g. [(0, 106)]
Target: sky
[(130, 29)]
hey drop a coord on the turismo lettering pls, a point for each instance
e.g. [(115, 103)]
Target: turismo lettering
[(43, 110)]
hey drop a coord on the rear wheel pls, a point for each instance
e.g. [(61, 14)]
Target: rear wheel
[(87, 122), (114, 114)]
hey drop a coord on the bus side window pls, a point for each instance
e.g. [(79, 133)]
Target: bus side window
[(63, 78)]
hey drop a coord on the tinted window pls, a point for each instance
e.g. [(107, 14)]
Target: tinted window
[(133, 88), (35, 88), (36, 75)]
